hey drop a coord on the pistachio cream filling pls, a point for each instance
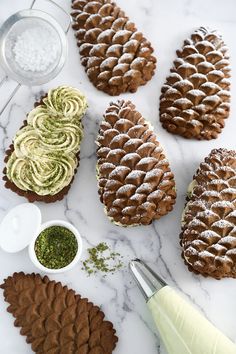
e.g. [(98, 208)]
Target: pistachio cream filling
[(44, 157), (190, 189), (189, 194)]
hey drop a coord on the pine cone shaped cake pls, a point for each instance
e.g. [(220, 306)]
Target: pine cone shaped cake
[(44, 157), (195, 98), (116, 57), (54, 319), (136, 184), (208, 233)]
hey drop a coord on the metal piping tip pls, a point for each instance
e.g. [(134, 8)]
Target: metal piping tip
[(148, 281)]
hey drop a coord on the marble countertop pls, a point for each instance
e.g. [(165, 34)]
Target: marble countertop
[(166, 24)]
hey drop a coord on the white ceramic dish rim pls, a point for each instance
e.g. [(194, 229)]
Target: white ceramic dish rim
[(46, 225)]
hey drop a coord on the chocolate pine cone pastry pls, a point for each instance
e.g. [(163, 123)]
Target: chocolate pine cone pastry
[(54, 319), (117, 58), (195, 98), (135, 181), (208, 235)]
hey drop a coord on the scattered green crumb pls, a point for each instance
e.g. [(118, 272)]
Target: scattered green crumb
[(102, 259)]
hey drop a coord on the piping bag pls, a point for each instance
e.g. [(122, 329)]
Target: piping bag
[(183, 329)]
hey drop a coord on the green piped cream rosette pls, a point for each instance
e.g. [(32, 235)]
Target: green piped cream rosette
[(44, 157)]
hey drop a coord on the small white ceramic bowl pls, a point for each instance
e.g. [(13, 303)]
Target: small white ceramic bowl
[(46, 225)]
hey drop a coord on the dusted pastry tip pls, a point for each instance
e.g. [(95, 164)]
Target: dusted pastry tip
[(117, 58), (135, 181), (208, 237), (183, 329), (56, 320), (44, 157), (195, 97)]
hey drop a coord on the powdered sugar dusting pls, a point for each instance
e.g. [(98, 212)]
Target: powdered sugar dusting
[(209, 234), (223, 204), (212, 215), (222, 224)]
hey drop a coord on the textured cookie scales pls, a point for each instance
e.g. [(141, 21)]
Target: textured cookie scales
[(60, 99), (117, 58), (195, 98), (54, 319), (136, 184), (208, 235)]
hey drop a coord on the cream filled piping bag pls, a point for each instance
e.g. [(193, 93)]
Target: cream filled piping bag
[(183, 329)]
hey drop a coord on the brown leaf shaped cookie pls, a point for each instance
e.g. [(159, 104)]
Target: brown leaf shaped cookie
[(56, 320)]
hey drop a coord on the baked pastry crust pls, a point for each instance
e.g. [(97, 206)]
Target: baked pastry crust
[(136, 184), (208, 236), (117, 58), (195, 98)]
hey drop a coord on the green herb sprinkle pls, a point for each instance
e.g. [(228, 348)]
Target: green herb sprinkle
[(102, 259), (56, 247)]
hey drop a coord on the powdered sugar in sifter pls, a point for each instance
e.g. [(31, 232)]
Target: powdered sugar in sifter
[(33, 48)]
